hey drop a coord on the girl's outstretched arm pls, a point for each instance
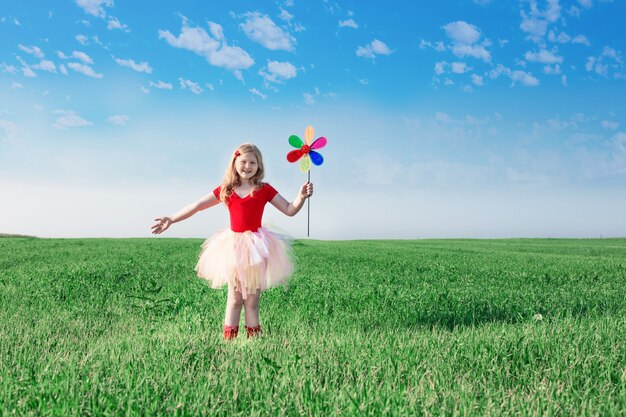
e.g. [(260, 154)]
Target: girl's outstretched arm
[(163, 223), (291, 209)]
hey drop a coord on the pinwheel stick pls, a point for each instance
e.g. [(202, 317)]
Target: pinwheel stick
[(308, 210)]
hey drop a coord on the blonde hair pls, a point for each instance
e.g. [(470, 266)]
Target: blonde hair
[(231, 176)]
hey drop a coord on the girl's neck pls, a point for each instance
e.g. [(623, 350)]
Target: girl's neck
[(246, 184)]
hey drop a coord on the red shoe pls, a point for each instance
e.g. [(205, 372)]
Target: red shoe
[(253, 331), (230, 332)]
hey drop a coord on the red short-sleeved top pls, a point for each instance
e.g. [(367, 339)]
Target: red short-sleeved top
[(246, 213)]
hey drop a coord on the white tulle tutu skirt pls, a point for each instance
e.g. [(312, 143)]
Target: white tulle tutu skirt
[(248, 261)]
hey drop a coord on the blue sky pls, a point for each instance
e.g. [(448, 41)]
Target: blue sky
[(453, 119)]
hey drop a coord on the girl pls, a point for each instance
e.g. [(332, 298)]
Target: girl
[(248, 257)]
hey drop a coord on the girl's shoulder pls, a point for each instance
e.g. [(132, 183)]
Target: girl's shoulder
[(267, 188)]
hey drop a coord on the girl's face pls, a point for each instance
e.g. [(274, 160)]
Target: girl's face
[(246, 166)]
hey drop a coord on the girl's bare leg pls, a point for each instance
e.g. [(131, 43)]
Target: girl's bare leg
[(234, 303), (251, 309)]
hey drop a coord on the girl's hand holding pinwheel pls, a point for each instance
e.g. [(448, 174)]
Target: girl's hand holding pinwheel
[(306, 190)]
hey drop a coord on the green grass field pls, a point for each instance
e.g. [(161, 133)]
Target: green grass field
[(431, 327)]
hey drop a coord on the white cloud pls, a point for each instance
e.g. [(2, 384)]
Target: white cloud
[(552, 70), (193, 87), (374, 48), (82, 39), (459, 67), (609, 124), (118, 119), (553, 10), (232, 57), (555, 125), (535, 22), (586, 3), (309, 99), (437, 46), (589, 65), (464, 37), (563, 37), (215, 51), (442, 117), (285, 15), (258, 93), (16, 86), (525, 78), (297, 27), (26, 69), (574, 11), (350, 23), (84, 69), (609, 59), (216, 30), (68, 119), (193, 39), (9, 131), (477, 79), (8, 68), (278, 72), (114, 23), (440, 67), (82, 56), (142, 67), (288, 17), (161, 85), (582, 39), (475, 51), (95, 7), (462, 32), (564, 80), (46, 65), (144, 90), (32, 50), (63, 69), (612, 53), (467, 120), (261, 29), (543, 57), (535, 27)]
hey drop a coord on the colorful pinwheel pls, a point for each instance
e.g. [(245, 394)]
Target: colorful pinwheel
[(306, 150)]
